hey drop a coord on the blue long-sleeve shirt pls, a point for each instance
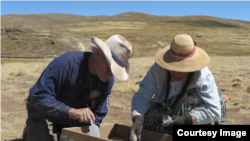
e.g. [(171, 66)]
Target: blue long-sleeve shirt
[(65, 84)]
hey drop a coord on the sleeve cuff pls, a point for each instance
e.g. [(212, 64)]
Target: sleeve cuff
[(64, 110), (137, 115), (192, 119)]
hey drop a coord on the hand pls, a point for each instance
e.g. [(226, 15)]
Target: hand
[(182, 120), (179, 120), (83, 115), (136, 128)]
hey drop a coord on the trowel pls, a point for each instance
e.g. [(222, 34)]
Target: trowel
[(94, 130)]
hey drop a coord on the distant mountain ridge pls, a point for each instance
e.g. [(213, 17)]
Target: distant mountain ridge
[(40, 20), (49, 35)]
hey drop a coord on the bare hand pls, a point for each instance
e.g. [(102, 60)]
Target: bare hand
[(83, 115)]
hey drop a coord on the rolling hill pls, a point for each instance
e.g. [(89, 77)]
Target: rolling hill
[(49, 35)]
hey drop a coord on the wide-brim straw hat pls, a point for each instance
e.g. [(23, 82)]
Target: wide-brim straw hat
[(117, 51), (182, 55)]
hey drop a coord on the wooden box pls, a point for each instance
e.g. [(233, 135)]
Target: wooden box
[(114, 132)]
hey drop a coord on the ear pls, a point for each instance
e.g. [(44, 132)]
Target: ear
[(98, 54)]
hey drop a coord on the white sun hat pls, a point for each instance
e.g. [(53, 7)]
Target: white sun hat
[(117, 50)]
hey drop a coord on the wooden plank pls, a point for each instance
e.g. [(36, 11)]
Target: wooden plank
[(110, 133), (76, 134), (122, 132), (154, 136)]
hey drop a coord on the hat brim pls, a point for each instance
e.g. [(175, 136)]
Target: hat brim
[(120, 72), (166, 60)]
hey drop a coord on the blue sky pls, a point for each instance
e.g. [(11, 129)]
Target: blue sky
[(238, 10)]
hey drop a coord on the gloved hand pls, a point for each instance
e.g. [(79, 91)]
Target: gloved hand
[(136, 128), (83, 115), (179, 120), (182, 120)]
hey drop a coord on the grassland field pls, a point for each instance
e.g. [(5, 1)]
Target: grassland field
[(147, 37), (17, 76)]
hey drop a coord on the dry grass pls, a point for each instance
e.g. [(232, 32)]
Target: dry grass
[(232, 73), (138, 71), (219, 36), (105, 26), (129, 87), (231, 121), (12, 124), (236, 85), (22, 68), (248, 89), (120, 104), (237, 80), (16, 76), (227, 71)]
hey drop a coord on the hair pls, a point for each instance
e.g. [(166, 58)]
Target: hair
[(93, 48), (183, 90)]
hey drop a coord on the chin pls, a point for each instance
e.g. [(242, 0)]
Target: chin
[(177, 79), (104, 78)]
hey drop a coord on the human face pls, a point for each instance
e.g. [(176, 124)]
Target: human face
[(102, 68), (178, 76)]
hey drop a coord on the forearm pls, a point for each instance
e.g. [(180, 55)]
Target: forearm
[(148, 87), (101, 109), (210, 111), (50, 106), (47, 88), (141, 102), (203, 115)]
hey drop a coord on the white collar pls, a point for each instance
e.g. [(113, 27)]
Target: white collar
[(176, 83)]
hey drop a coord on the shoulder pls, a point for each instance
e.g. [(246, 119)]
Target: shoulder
[(72, 56), (155, 75), (202, 76), (156, 68), (111, 81), (203, 73)]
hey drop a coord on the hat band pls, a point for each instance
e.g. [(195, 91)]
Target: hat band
[(117, 59), (186, 54)]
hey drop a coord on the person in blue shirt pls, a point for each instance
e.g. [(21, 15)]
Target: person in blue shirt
[(75, 88), (178, 89)]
